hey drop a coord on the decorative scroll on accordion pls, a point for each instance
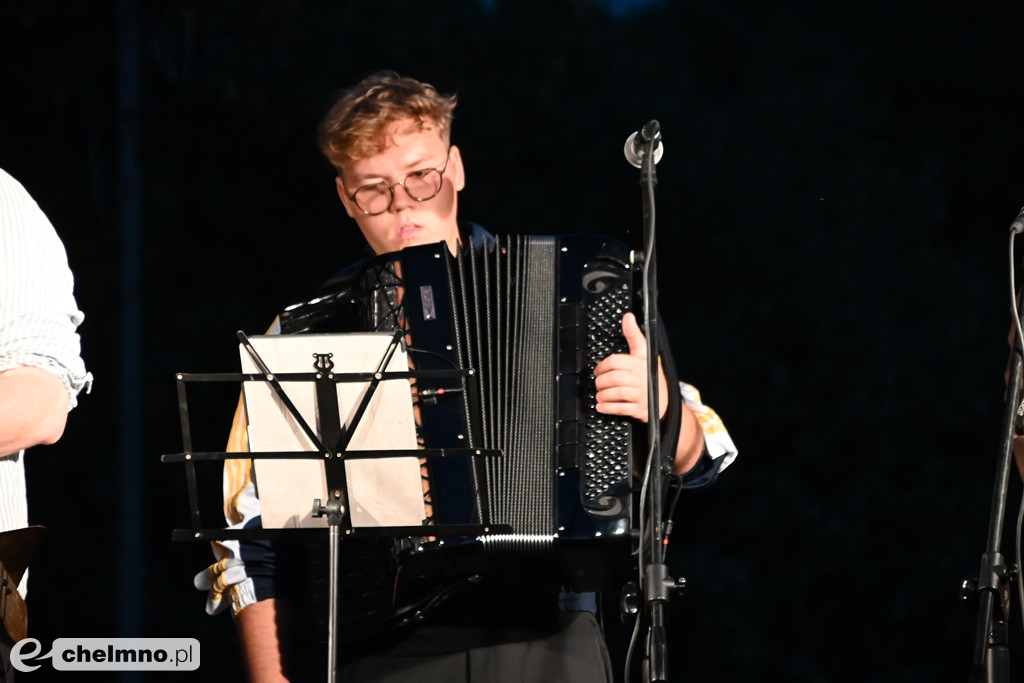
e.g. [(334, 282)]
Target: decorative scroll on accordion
[(531, 316)]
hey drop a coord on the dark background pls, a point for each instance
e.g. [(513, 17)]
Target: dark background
[(833, 206)]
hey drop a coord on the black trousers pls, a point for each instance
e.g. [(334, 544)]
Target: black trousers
[(576, 653)]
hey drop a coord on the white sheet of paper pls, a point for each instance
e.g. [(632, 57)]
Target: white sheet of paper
[(382, 491)]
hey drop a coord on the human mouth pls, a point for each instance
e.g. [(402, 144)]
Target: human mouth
[(408, 231)]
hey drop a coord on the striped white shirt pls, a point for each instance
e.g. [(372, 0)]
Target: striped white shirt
[(38, 319)]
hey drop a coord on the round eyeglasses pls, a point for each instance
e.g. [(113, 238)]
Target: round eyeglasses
[(420, 185)]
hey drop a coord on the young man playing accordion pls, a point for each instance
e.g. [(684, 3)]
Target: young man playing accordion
[(399, 178)]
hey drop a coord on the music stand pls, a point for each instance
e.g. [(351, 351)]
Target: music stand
[(331, 446)]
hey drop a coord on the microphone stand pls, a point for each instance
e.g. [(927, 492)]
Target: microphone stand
[(991, 651), (991, 663), (656, 582)]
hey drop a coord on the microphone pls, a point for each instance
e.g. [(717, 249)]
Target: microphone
[(636, 144), (1017, 227)]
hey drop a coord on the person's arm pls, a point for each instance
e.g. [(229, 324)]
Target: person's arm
[(621, 382), (41, 369), (258, 627), (34, 407)]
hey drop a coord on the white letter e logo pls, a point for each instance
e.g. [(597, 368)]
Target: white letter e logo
[(17, 657)]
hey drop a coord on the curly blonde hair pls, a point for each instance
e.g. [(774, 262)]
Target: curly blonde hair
[(355, 127)]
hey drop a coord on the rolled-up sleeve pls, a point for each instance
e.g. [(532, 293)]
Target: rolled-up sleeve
[(38, 313), (719, 449)]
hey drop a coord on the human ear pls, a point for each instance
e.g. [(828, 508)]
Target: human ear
[(458, 172)]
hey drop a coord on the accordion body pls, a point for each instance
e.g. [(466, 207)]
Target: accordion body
[(530, 316)]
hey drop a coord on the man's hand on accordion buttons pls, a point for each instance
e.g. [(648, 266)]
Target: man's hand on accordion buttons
[(621, 378)]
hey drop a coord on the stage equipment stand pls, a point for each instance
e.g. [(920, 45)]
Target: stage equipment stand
[(330, 444), (991, 662), (643, 150)]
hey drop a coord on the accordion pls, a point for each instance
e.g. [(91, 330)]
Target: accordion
[(530, 316)]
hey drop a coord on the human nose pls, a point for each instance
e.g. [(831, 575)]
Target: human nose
[(400, 197)]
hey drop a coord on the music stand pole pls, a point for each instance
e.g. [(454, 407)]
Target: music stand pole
[(337, 517), (336, 437)]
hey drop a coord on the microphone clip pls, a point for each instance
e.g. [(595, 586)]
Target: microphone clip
[(637, 144)]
